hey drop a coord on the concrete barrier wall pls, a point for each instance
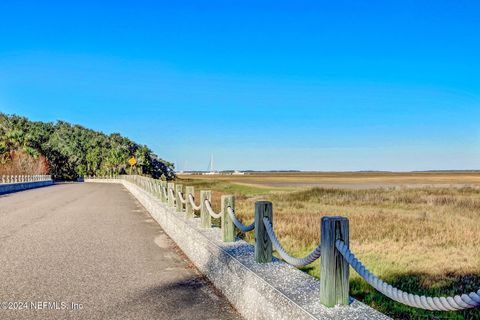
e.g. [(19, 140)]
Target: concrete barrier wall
[(258, 291), (20, 186)]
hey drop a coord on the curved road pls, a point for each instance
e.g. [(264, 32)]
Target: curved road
[(91, 251)]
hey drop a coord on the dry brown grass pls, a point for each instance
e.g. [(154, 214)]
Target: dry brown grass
[(423, 239), (418, 229), (354, 180)]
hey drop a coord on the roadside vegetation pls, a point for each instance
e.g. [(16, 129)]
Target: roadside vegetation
[(424, 240), (68, 151)]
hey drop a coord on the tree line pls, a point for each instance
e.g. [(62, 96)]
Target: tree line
[(68, 151)]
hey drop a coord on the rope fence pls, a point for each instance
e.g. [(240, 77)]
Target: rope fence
[(243, 228), (182, 199), (192, 202), (458, 302), (212, 213), (333, 251), (297, 262)]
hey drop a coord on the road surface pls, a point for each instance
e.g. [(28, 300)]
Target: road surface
[(91, 251)]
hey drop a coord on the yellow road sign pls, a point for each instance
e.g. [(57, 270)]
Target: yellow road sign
[(132, 161)]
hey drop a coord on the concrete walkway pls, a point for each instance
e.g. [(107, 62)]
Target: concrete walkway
[(90, 251)]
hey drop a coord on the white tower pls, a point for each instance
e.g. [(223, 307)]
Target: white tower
[(211, 170)]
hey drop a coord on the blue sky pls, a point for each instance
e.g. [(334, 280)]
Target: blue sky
[(309, 85)]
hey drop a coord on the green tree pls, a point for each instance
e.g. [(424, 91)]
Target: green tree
[(72, 150)]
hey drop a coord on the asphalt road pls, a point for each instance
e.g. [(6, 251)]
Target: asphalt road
[(91, 251)]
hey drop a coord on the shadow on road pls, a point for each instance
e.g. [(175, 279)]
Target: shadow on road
[(191, 298)]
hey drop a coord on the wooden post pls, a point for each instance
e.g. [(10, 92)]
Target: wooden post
[(160, 191), (155, 188), (205, 218), (188, 206), (334, 269), (171, 201), (263, 245), (163, 184), (228, 229), (179, 188)]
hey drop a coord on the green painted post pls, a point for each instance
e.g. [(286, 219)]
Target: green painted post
[(188, 206), (160, 193), (228, 229), (334, 269), (157, 188), (171, 200), (205, 218), (163, 184), (263, 245), (178, 188)]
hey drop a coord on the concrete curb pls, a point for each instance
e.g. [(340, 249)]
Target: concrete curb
[(20, 186), (258, 291)]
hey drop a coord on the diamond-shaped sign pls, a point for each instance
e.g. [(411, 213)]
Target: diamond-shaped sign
[(132, 161)]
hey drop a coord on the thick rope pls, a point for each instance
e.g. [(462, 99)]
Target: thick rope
[(297, 262), (214, 215), (180, 196), (458, 302), (172, 194), (237, 222), (164, 190), (192, 202)]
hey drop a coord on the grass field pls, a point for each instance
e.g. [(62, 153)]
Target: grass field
[(417, 231)]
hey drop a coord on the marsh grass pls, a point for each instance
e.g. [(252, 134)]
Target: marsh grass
[(423, 240)]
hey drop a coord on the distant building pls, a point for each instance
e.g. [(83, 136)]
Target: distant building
[(209, 173)]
